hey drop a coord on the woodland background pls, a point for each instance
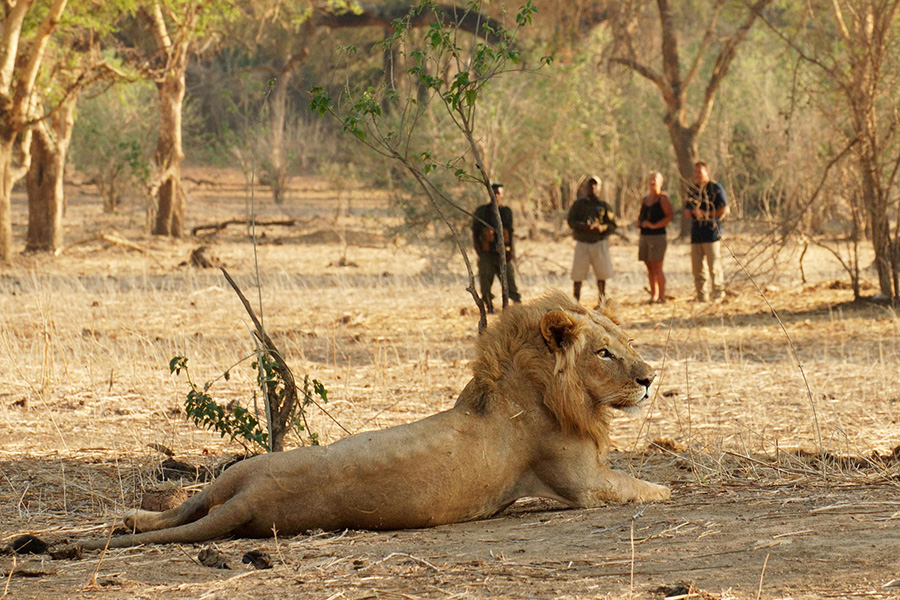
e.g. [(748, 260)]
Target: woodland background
[(139, 137), (792, 104)]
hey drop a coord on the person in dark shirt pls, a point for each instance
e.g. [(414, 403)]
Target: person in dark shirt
[(706, 206), (488, 248), (656, 213), (591, 220)]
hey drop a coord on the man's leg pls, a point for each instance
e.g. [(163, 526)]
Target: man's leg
[(581, 263), (486, 272), (511, 282), (697, 268), (716, 276), (602, 265)]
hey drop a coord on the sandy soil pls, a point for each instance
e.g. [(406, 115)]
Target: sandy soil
[(744, 400)]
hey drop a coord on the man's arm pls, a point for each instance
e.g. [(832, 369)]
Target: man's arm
[(577, 219), (609, 219), (478, 228), (507, 218), (722, 209)]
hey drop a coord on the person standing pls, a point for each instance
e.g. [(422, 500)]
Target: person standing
[(591, 220), (488, 248), (655, 214), (706, 206)]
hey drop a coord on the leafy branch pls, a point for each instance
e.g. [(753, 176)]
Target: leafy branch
[(233, 420), (285, 405), (449, 70)]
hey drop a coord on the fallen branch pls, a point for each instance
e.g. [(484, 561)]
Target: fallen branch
[(217, 227), (106, 237)]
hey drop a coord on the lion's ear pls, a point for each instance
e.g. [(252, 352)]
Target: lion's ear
[(559, 329)]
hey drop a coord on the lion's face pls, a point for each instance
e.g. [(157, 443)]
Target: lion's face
[(596, 369), (612, 372), (580, 362)]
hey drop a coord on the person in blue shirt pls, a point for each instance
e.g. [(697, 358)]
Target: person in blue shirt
[(706, 207)]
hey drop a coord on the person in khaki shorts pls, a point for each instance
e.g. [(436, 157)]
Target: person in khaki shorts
[(656, 213), (591, 220), (706, 206)]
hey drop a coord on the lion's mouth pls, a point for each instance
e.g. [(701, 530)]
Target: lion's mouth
[(632, 403)]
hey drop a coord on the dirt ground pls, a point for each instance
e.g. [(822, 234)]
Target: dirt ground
[(777, 435)]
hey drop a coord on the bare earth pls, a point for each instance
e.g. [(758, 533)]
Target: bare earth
[(735, 428)]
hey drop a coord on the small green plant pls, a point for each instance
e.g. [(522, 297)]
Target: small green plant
[(235, 421)]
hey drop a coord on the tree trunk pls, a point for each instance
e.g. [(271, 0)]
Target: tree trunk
[(171, 202), (45, 180), (277, 124), (677, 75), (879, 224), (7, 179), (684, 143)]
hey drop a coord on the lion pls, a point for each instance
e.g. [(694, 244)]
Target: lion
[(532, 422)]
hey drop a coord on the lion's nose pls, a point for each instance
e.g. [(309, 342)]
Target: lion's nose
[(646, 381)]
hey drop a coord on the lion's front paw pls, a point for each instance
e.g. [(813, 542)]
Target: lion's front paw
[(654, 493)]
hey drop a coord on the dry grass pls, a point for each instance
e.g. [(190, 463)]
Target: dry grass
[(86, 337)]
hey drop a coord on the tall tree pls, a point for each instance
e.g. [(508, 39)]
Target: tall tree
[(179, 28), (855, 46), (44, 181), (464, 66), (173, 51), (277, 34), (676, 74), (73, 60), (22, 51)]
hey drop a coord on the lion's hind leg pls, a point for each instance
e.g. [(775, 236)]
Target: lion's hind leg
[(216, 524), (190, 510)]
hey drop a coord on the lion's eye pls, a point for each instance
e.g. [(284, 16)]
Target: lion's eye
[(604, 353)]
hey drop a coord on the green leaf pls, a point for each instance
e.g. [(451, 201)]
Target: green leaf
[(177, 364), (525, 14), (321, 101)]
